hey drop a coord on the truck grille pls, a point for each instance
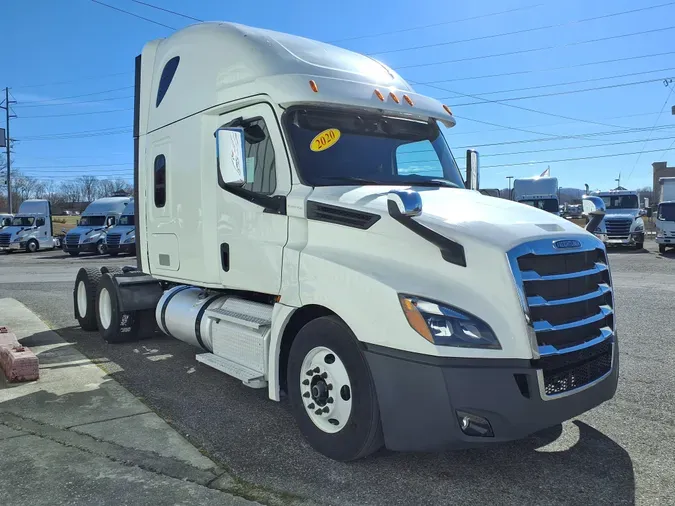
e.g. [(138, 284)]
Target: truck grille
[(568, 297), (72, 239), (113, 240), (4, 239), (618, 228)]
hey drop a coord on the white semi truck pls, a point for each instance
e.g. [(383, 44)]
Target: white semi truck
[(665, 217), (283, 231), (539, 191), (5, 220), (30, 228), (122, 237), (90, 233), (623, 223)]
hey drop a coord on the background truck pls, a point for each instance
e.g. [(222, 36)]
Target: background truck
[(623, 223), (121, 238), (5, 220), (30, 229), (96, 220), (538, 191), (283, 231), (665, 217)]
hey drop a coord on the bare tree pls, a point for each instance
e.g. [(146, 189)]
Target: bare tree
[(70, 191), (23, 187), (40, 190), (88, 186)]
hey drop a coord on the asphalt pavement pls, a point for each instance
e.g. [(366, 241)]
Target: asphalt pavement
[(622, 452)]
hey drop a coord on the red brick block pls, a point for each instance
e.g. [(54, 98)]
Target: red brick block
[(7, 338), (19, 364)]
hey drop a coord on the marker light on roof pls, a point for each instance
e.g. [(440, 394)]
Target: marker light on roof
[(394, 97), (447, 109), (379, 95), (409, 100), (314, 87)]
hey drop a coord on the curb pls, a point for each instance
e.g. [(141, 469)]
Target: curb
[(17, 362)]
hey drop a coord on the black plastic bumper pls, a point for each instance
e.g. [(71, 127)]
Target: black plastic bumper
[(82, 248), (122, 248), (419, 397)]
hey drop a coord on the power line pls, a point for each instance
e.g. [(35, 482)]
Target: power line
[(567, 67), (672, 87), (69, 167), (667, 149), (134, 15), (35, 102), (79, 137), (433, 25), (95, 100), (525, 30), (75, 114), (167, 10), (73, 81), (79, 132), (532, 50)]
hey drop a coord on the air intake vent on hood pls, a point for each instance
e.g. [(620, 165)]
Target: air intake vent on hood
[(340, 215)]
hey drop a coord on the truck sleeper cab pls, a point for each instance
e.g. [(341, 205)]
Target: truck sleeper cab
[(90, 234), (30, 229), (540, 192), (121, 238), (289, 229)]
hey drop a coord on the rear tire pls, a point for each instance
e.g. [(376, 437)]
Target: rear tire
[(114, 326), (662, 248), (32, 246), (350, 427), (84, 297)]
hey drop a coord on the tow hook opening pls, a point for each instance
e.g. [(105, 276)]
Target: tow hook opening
[(474, 425)]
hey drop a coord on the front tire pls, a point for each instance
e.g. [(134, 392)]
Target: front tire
[(332, 392), (84, 297), (100, 248), (114, 326), (32, 246), (639, 245), (662, 248)]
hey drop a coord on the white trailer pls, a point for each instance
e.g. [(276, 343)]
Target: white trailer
[(30, 229), (665, 217), (285, 229), (121, 238), (90, 233), (539, 191)]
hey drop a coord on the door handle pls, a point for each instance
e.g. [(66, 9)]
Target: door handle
[(225, 256)]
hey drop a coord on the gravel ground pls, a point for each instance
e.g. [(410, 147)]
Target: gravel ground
[(622, 452)]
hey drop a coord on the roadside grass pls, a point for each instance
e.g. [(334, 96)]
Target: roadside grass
[(63, 222)]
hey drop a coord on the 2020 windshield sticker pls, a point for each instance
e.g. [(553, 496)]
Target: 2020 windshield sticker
[(325, 139)]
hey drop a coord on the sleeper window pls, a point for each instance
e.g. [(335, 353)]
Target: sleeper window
[(165, 80)]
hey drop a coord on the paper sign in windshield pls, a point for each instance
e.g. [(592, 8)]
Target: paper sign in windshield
[(325, 139)]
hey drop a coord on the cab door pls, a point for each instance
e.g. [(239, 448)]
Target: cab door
[(41, 234), (251, 222)]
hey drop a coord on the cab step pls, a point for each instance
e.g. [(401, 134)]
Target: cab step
[(248, 377)]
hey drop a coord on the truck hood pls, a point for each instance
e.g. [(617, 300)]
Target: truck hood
[(451, 211), (13, 230), (121, 229), (84, 230)]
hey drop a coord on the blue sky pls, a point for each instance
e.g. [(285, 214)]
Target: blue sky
[(90, 50)]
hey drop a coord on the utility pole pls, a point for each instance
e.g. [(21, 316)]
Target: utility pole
[(8, 115), (509, 178)]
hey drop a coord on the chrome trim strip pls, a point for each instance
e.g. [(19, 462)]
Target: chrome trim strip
[(544, 326), (548, 350), (542, 385), (539, 301), (533, 276)]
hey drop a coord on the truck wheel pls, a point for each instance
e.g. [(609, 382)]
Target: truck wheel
[(662, 248), (639, 245), (111, 270), (100, 248), (115, 327), (73, 253), (32, 246), (332, 392), (84, 297)]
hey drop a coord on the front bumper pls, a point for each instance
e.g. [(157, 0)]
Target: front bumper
[(419, 397), (633, 238), (82, 248), (122, 248), (665, 240), (14, 246)]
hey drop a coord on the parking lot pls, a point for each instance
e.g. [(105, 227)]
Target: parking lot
[(623, 452)]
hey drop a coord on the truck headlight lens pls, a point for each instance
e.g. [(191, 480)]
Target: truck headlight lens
[(129, 239), (447, 326)]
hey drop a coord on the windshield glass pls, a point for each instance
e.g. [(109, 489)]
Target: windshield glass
[(550, 205), (620, 201), (338, 147), (23, 221), (666, 212), (92, 221), (127, 219)]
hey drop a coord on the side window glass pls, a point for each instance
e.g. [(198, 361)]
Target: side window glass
[(160, 181), (261, 174), (166, 78), (418, 158), (40, 222)]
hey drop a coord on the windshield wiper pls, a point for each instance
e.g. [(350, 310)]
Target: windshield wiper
[(397, 182)]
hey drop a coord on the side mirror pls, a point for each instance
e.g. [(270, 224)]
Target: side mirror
[(404, 203), (63, 230), (231, 155), (648, 212), (472, 169), (642, 212)]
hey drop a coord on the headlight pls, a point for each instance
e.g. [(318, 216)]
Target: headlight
[(659, 233), (129, 239), (446, 326), (88, 239), (639, 228)]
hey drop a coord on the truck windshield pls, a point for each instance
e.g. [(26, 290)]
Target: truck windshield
[(92, 221), (666, 212), (550, 205), (23, 221), (334, 147), (127, 219), (620, 201)]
